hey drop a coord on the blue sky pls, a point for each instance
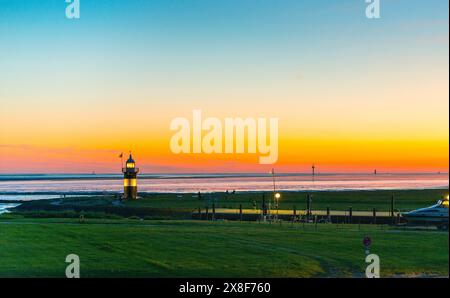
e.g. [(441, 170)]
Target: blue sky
[(320, 66), (180, 37)]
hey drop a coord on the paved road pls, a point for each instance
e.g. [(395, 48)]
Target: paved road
[(299, 212)]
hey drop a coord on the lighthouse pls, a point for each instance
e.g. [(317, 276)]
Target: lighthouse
[(129, 179)]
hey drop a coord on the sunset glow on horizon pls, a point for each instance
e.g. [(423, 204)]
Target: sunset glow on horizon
[(351, 94)]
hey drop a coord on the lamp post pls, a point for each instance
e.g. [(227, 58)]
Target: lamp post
[(274, 189), (273, 181), (277, 197)]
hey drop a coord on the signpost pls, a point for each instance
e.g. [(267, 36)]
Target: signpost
[(373, 269), (367, 242)]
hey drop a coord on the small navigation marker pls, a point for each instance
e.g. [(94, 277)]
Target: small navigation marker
[(375, 172), (313, 169)]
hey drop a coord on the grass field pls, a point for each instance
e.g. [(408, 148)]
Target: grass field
[(114, 242), (336, 200), (181, 206), (136, 248)]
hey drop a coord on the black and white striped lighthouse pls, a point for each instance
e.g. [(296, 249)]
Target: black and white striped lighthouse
[(129, 179)]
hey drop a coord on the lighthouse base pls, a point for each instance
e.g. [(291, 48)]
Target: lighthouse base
[(130, 193)]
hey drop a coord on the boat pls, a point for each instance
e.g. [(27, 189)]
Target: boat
[(436, 215)]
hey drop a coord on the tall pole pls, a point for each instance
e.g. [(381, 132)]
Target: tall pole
[(275, 200), (273, 178), (308, 207), (264, 206), (392, 206), (121, 161)]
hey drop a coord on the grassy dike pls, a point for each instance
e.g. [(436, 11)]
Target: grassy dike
[(148, 248)]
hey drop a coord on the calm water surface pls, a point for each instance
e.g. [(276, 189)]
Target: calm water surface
[(26, 187)]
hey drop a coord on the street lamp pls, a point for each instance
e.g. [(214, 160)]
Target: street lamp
[(277, 197)]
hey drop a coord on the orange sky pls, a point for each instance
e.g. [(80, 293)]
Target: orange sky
[(351, 94)]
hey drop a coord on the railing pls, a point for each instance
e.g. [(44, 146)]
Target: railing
[(130, 170)]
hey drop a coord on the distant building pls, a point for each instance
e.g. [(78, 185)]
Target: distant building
[(129, 179)]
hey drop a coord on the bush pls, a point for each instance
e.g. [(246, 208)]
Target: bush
[(157, 217), (134, 217), (6, 216)]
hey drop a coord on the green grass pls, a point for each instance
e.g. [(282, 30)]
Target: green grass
[(37, 236), (179, 206), (133, 248), (337, 200)]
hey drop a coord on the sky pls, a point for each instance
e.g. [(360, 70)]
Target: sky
[(351, 94)]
